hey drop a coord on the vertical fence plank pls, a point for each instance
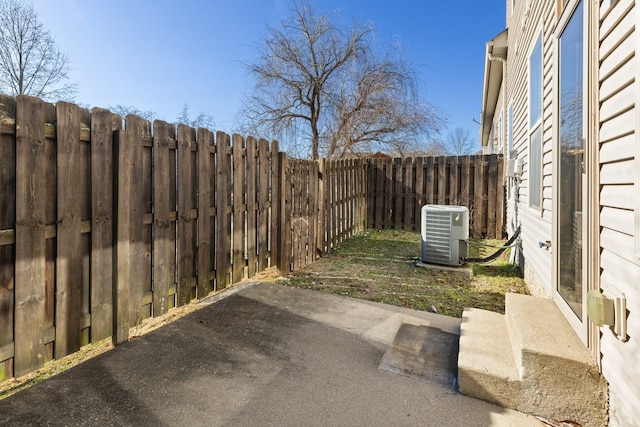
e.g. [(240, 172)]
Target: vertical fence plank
[(500, 211), (223, 231), (389, 188), (380, 192), (296, 212), (85, 224), (51, 216), (69, 239), (314, 182), (420, 199), (371, 192), (163, 252), (141, 196), (275, 202), (409, 194), (454, 187), (321, 236), (252, 215), (398, 190), (263, 204), (465, 186), (187, 225), (7, 228), (442, 180), (30, 235), (492, 195), (132, 263), (205, 221), (478, 202), (145, 275), (124, 174), (103, 124), (430, 182), (284, 250), (349, 188), (239, 208)]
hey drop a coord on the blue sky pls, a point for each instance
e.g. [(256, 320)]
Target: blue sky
[(160, 55)]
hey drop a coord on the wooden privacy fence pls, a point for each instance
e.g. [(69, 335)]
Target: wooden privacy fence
[(323, 204), (399, 187), (102, 227)]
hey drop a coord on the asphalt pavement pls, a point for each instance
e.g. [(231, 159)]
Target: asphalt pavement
[(259, 354)]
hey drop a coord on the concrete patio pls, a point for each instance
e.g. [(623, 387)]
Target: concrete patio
[(260, 354)]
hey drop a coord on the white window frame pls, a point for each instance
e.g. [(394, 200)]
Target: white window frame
[(535, 128)]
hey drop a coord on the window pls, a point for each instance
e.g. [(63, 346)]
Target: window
[(535, 125)]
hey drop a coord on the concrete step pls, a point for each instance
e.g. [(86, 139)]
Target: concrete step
[(486, 366), (530, 360)]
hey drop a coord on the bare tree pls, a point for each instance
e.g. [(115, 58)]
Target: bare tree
[(30, 61), (326, 86), (124, 110), (459, 142), (203, 119)]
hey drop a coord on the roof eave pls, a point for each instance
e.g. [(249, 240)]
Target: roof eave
[(496, 53)]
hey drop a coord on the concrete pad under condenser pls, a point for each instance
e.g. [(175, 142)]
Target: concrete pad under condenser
[(463, 269)]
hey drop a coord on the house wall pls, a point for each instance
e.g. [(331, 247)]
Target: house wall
[(617, 118), (525, 22), (619, 262)]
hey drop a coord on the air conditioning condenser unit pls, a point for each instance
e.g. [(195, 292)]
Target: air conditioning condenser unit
[(445, 234)]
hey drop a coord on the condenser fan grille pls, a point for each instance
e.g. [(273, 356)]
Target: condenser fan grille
[(445, 230)]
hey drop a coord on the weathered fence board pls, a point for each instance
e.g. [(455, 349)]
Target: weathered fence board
[(223, 207), (187, 226), (103, 124), (251, 215), (7, 233), (264, 204), (239, 208), (164, 247), (206, 212), (31, 219), (69, 237)]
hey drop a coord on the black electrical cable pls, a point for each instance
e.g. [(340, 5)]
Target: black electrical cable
[(497, 253)]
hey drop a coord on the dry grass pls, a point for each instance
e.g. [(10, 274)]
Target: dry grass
[(381, 266)]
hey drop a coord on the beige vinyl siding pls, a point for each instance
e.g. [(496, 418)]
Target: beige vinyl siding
[(620, 266), (526, 23)]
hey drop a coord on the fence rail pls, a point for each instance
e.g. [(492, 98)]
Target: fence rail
[(103, 226)]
